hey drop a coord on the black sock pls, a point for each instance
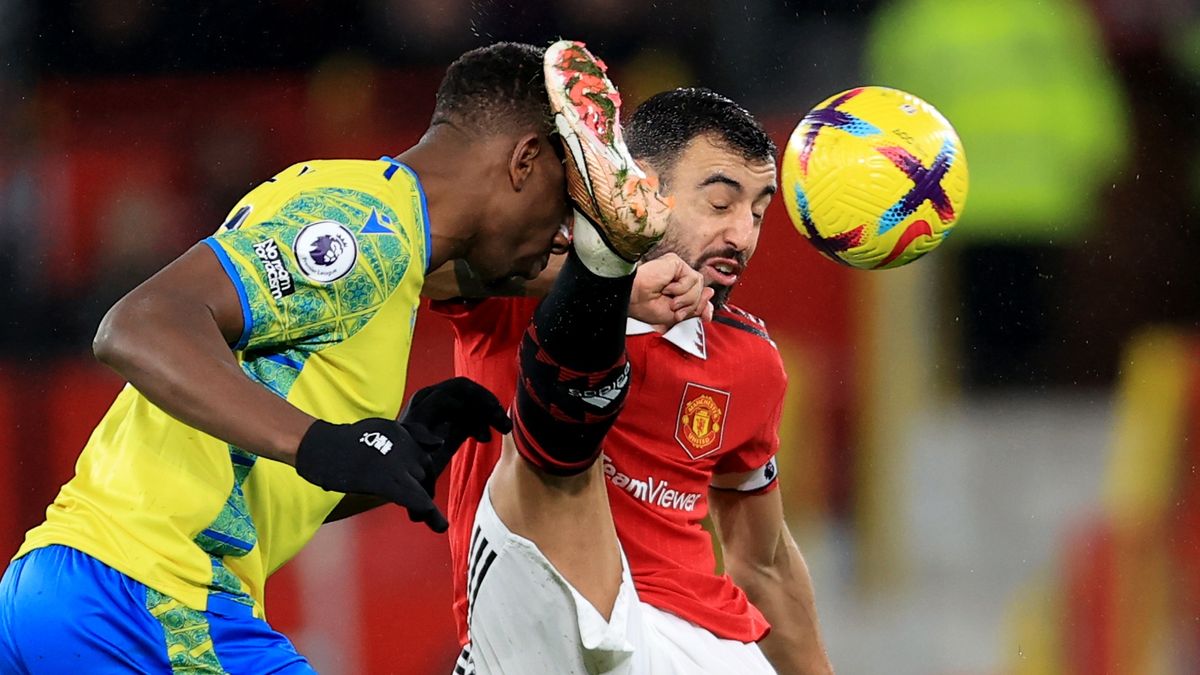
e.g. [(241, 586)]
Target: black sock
[(573, 372), (581, 323)]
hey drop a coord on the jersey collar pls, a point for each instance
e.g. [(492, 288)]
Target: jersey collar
[(687, 335)]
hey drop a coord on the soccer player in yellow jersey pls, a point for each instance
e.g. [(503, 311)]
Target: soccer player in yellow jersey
[(266, 369)]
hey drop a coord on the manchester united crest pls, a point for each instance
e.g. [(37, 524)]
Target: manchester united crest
[(701, 424)]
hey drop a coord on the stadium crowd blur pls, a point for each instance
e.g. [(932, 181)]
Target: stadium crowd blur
[(128, 128)]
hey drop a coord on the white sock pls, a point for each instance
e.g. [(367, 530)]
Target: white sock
[(595, 254)]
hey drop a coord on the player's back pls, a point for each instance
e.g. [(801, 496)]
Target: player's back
[(327, 259)]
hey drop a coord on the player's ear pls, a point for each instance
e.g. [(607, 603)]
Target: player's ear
[(524, 156)]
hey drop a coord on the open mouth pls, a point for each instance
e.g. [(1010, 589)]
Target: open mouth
[(723, 271)]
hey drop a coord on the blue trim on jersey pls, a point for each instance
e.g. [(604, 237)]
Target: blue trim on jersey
[(231, 271), (424, 204), (424, 214), (226, 539), (283, 361)]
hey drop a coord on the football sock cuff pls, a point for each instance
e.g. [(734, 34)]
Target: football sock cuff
[(561, 415)]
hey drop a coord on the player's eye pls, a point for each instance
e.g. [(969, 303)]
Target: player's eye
[(719, 207), (759, 208)]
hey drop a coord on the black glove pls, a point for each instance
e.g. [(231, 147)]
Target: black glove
[(455, 410), (401, 460)]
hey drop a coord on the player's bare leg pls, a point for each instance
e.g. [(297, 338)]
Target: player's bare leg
[(548, 486)]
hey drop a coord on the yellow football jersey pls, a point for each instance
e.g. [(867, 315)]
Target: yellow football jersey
[(328, 258)]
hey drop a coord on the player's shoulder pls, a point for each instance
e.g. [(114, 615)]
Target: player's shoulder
[(385, 179), (739, 341), (376, 197), (318, 171), (742, 324)]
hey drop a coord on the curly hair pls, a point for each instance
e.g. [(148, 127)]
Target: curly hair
[(498, 88)]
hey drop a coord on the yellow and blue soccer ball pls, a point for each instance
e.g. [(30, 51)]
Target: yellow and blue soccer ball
[(874, 177)]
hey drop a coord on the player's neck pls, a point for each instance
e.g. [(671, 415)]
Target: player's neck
[(454, 187)]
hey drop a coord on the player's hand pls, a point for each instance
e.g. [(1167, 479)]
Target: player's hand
[(455, 410), (667, 290), (400, 460)]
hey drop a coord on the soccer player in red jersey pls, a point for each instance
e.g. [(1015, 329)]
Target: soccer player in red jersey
[(699, 428)]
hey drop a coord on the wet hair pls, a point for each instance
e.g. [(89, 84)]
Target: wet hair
[(667, 122), (494, 89)]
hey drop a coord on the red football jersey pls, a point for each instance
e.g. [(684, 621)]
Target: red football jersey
[(704, 402)]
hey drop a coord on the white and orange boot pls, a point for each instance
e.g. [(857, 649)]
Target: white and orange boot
[(610, 191)]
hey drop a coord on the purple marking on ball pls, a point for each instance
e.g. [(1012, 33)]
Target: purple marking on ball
[(927, 185), (830, 116)]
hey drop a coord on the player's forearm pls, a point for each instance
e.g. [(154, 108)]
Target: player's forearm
[(783, 592), (174, 354)]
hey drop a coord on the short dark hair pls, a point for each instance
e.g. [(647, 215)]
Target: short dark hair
[(496, 88), (665, 123)]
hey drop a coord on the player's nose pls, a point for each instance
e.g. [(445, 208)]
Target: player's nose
[(739, 231)]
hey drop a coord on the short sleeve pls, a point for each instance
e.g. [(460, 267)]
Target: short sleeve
[(756, 481), (315, 269), (751, 467)]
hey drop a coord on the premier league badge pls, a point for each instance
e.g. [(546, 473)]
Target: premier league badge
[(325, 251)]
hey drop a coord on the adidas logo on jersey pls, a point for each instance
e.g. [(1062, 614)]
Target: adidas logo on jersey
[(376, 440), (651, 491)]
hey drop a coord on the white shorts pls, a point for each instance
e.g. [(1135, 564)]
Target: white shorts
[(524, 618)]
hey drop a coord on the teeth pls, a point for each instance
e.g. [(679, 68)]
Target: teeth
[(723, 269)]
